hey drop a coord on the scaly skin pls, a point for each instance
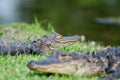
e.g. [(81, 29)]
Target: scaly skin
[(100, 62), (12, 47), (45, 44)]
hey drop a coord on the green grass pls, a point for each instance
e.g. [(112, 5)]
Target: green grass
[(15, 67)]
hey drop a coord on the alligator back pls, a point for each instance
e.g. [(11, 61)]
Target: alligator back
[(13, 47)]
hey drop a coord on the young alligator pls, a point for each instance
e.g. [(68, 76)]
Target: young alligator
[(100, 62), (45, 44)]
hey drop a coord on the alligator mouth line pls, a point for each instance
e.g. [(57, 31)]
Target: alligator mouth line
[(33, 65), (68, 39), (49, 68)]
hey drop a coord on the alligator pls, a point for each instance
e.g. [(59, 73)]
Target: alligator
[(45, 44), (108, 21), (105, 63)]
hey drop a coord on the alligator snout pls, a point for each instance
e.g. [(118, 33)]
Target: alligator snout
[(69, 39), (31, 64)]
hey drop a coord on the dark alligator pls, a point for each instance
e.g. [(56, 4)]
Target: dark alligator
[(45, 44), (103, 62)]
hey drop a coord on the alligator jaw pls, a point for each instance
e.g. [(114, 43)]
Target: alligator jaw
[(64, 63), (68, 68), (56, 40), (54, 68), (63, 41), (68, 39), (56, 63)]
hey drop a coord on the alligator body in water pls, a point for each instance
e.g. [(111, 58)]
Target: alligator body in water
[(108, 21), (45, 44), (101, 62)]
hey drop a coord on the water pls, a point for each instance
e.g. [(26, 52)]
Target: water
[(67, 16)]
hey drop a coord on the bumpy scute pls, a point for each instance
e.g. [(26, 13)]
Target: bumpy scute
[(13, 47)]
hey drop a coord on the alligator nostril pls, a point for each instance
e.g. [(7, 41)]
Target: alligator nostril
[(63, 55), (31, 64)]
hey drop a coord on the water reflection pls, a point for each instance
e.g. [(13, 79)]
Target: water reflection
[(67, 16), (8, 11)]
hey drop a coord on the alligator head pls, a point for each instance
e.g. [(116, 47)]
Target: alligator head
[(68, 63), (52, 42)]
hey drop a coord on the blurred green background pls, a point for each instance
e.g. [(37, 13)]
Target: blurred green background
[(68, 17)]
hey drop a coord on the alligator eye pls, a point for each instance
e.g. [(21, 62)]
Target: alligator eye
[(64, 57), (58, 36), (48, 42)]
